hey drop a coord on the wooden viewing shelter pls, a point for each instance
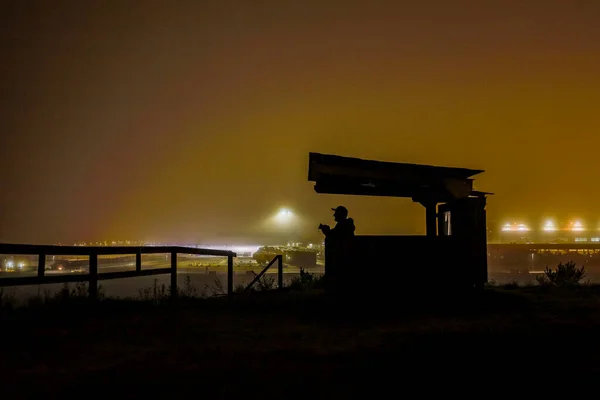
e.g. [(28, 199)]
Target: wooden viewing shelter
[(453, 253)]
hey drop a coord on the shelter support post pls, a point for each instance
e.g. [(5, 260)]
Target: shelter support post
[(430, 215), (440, 223), (431, 221)]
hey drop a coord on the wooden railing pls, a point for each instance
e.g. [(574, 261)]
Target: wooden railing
[(279, 259), (92, 277)]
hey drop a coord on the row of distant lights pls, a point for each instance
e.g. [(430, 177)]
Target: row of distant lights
[(549, 226), (10, 265)]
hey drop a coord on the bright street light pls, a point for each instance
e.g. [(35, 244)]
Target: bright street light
[(522, 228), (284, 216), (577, 226), (549, 226)]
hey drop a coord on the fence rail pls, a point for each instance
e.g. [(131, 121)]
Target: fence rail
[(94, 251), (279, 259)]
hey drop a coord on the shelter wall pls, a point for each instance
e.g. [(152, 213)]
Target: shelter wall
[(405, 261)]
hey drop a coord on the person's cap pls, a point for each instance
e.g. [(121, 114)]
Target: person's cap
[(340, 210)]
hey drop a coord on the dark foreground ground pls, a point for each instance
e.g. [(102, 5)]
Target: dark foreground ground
[(301, 345)]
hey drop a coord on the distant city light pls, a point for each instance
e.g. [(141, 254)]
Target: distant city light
[(9, 264), (515, 228), (549, 226), (577, 226)]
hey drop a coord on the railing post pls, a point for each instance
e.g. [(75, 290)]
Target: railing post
[(173, 274), (138, 261), (280, 272), (230, 275), (41, 266), (93, 277)]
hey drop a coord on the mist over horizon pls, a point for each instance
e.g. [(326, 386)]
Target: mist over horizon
[(192, 122)]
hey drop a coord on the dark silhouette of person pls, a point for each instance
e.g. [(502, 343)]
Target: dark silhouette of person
[(344, 227), (338, 250)]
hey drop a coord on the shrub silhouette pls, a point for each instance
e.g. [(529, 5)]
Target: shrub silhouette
[(189, 289), (306, 280), (565, 275), (265, 283)]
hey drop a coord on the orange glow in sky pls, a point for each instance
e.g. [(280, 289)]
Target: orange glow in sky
[(193, 119)]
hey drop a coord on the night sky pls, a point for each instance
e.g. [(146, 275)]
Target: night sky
[(192, 120)]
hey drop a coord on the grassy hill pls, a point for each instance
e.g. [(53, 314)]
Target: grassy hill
[(287, 344)]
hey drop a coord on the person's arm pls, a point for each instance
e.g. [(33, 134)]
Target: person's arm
[(326, 229)]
